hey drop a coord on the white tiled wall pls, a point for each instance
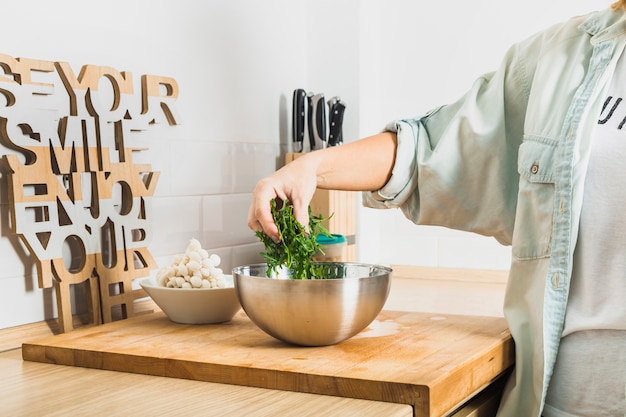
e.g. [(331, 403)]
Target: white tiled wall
[(236, 64)]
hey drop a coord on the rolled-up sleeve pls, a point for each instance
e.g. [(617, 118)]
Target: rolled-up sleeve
[(403, 178)]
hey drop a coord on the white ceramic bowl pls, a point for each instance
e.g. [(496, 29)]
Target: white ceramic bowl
[(195, 305)]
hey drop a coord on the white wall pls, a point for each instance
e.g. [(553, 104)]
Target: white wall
[(237, 63)]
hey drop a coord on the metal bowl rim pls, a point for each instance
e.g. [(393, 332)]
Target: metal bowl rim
[(385, 270)]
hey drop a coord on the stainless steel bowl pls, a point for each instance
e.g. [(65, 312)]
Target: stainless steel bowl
[(316, 312)]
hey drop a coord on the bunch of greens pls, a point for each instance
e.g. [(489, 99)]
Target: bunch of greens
[(296, 247)]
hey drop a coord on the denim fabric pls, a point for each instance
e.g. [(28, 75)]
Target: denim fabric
[(508, 160)]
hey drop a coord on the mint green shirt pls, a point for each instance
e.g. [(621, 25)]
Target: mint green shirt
[(508, 160)]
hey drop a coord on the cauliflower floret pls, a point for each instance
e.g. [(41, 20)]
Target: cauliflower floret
[(196, 268)]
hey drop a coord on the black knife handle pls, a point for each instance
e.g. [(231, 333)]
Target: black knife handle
[(337, 109), (299, 96)]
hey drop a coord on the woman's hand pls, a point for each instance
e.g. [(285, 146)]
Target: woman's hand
[(295, 182), (364, 165)]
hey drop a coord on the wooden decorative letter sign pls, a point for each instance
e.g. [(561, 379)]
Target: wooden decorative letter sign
[(78, 202)]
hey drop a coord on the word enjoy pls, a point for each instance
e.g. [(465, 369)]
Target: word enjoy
[(78, 202)]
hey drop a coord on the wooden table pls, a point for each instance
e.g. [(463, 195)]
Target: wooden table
[(42, 389), (433, 363), (38, 389)]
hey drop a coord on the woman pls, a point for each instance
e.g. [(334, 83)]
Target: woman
[(533, 156)]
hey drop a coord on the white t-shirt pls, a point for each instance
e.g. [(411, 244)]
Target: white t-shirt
[(590, 374)]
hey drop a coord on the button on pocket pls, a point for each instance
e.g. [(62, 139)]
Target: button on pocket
[(535, 205), (535, 168)]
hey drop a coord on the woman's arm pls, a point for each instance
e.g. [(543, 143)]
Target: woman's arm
[(364, 165)]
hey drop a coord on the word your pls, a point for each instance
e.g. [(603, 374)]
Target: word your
[(78, 202)]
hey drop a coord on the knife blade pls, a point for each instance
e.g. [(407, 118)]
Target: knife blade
[(317, 120), (336, 112), (298, 119)]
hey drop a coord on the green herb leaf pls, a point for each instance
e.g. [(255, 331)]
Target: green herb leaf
[(296, 247)]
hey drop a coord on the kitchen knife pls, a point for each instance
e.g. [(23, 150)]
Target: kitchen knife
[(299, 96), (317, 121), (336, 110)]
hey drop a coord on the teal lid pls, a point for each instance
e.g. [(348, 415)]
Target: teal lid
[(332, 240)]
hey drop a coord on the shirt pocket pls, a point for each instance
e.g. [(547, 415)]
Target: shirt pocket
[(532, 233)]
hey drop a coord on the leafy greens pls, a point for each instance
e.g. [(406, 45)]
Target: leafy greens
[(296, 247)]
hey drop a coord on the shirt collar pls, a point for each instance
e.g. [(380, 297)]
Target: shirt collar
[(604, 25)]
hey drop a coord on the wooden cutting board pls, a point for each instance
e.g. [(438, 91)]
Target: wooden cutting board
[(432, 362)]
